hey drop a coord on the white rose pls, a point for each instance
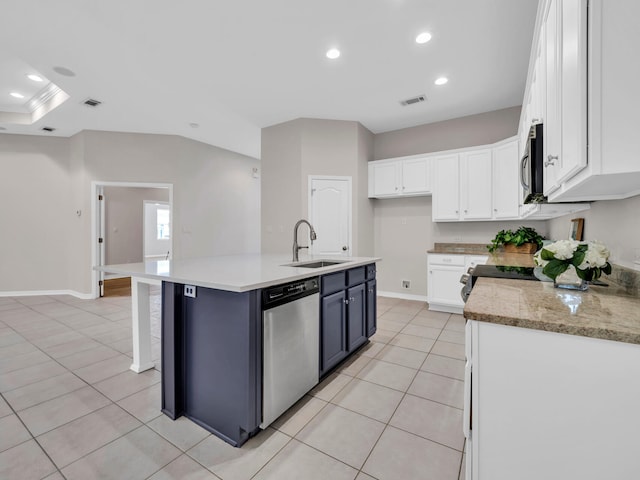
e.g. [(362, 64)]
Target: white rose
[(563, 249)]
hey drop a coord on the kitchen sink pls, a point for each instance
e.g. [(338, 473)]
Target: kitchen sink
[(315, 263)]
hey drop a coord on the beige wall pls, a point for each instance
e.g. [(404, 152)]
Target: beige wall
[(614, 222), (294, 150), (124, 217), (479, 129), (216, 200), (404, 229), (36, 212)]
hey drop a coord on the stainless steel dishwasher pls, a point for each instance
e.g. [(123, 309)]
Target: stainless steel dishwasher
[(291, 344)]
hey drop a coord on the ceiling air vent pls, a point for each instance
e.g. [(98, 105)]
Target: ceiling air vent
[(90, 102), (48, 129), (411, 101)]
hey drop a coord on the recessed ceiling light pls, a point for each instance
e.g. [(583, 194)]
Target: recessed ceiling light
[(424, 37), (64, 71), (441, 81), (16, 95), (333, 53), (34, 77)]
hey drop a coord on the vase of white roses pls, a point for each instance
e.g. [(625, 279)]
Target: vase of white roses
[(571, 264)]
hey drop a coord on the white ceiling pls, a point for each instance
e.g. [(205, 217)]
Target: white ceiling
[(236, 66)]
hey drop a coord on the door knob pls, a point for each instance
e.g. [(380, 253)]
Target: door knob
[(344, 248)]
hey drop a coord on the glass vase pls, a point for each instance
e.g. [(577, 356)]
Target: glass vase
[(570, 280)]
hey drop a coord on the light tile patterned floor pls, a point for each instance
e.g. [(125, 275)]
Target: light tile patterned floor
[(71, 408)]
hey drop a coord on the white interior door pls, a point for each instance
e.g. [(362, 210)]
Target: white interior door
[(100, 233), (157, 230), (330, 214)]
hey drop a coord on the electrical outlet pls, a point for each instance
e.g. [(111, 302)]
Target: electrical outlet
[(406, 284), (190, 291)]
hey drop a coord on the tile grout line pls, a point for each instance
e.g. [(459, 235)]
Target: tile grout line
[(32, 438)]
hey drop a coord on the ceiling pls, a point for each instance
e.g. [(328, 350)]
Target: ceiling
[(234, 67)]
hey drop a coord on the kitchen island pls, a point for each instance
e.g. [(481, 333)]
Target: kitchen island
[(212, 329), (553, 380)]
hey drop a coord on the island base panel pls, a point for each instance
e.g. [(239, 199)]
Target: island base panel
[(214, 360)]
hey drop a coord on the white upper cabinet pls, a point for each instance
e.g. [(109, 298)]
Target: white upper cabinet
[(384, 179), (399, 177), (565, 37), (476, 185), (446, 188), (416, 177), (506, 187), (583, 51)]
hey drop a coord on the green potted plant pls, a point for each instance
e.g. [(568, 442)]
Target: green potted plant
[(523, 240)]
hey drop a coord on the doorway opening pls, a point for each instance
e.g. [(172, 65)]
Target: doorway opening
[(119, 229)]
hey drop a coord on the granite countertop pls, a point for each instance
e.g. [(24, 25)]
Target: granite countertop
[(234, 273), (609, 313), (460, 248)]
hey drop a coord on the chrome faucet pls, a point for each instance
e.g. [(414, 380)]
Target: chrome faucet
[(312, 236)]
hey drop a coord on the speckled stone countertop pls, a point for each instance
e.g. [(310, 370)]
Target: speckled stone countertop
[(460, 248), (609, 313)]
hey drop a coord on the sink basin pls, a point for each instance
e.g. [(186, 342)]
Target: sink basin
[(316, 263)]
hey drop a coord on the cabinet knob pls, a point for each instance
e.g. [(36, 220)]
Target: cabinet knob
[(551, 160), (403, 187), (495, 209), (465, 211), (352, 299), (371, 290), (457, 212), (396, 188), (346, 301)]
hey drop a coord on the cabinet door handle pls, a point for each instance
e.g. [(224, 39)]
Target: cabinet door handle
[(346, 301), (551, 160)]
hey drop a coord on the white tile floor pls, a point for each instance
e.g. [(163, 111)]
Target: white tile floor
[(71, 408)]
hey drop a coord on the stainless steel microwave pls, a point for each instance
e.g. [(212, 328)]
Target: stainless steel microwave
[(532, 167)]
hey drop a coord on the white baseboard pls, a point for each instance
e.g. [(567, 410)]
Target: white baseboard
[(403, 296), (30, 293)]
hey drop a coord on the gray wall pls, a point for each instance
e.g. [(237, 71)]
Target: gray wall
[(37, 212), (479, 129), (404, 229), (614, 222), (294, 150), (124, 227), (45, 180)]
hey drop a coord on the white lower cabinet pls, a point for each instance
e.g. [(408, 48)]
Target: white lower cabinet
[(549, 405), (443, 280)]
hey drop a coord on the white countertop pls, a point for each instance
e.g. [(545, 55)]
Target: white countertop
[(234, 273)]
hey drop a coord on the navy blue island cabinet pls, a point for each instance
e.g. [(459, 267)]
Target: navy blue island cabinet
[(212, 348), (347, 313)]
